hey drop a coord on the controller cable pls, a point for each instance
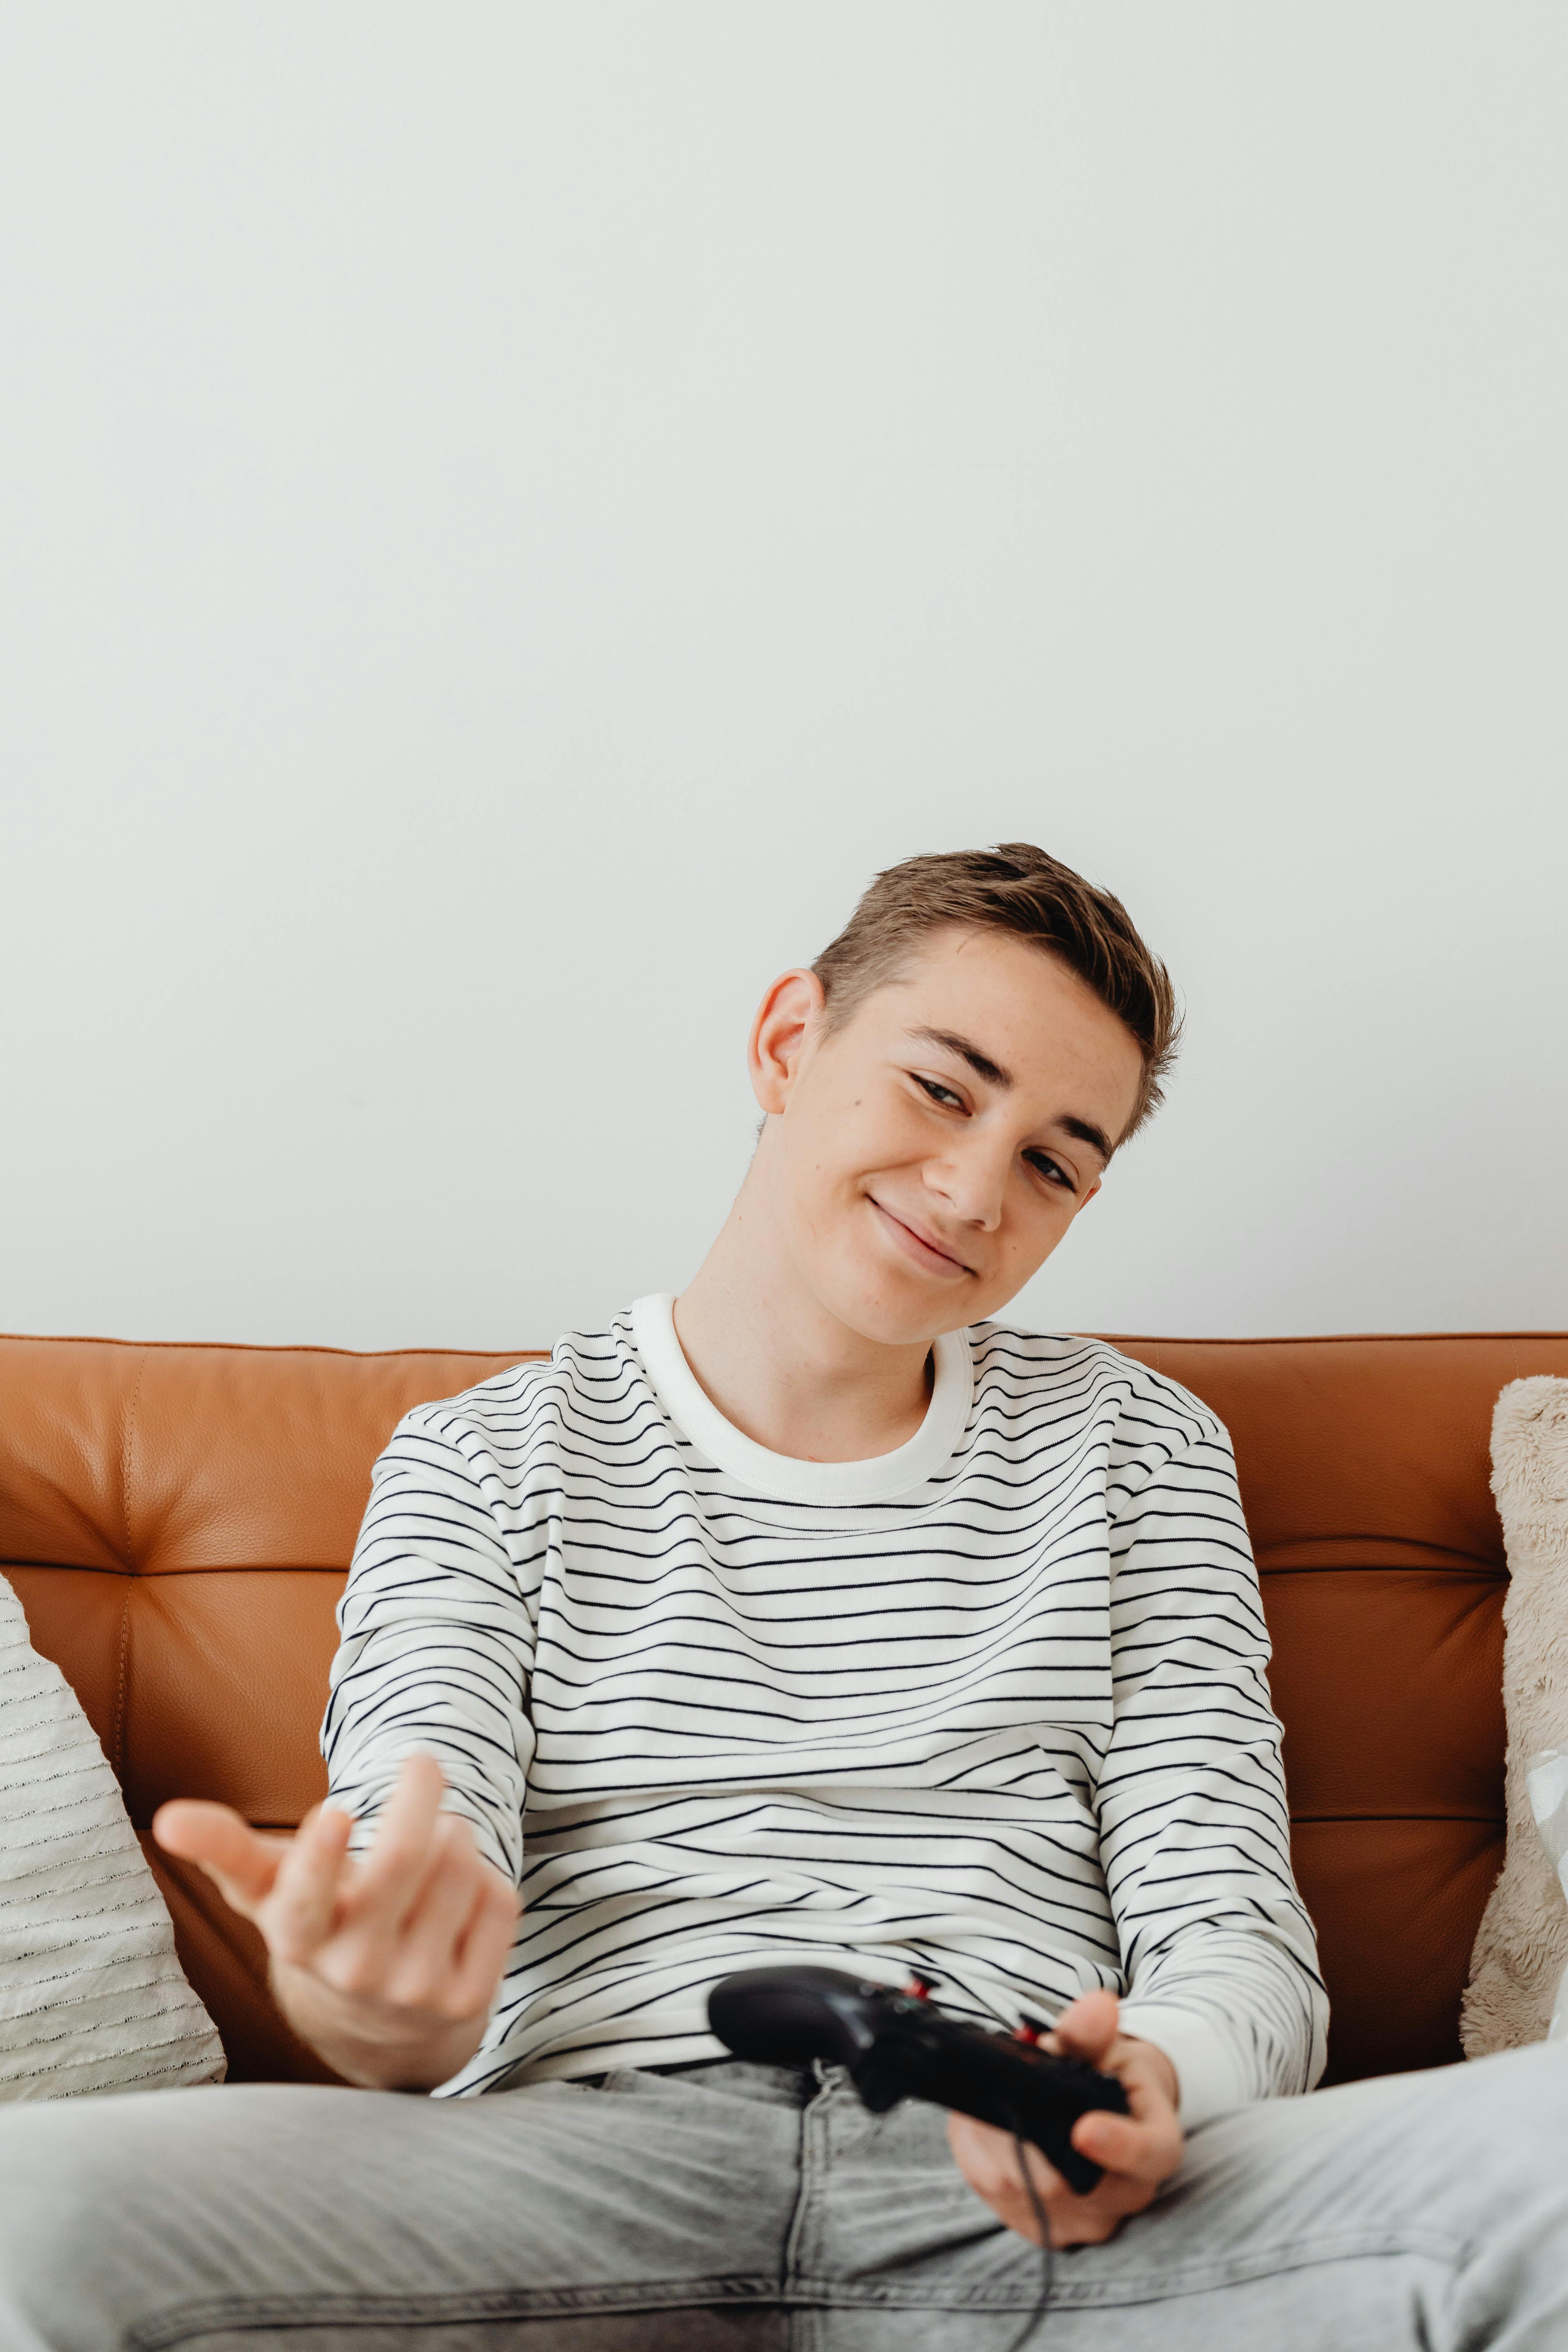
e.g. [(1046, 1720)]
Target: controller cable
[(922, 1986), (1047, 2257)]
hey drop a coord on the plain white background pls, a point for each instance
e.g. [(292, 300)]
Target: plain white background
[(509, 514)]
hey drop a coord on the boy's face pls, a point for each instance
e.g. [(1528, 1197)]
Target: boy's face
[(924, 1161)]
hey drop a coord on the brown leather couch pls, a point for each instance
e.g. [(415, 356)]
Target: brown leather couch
[(178, 1522)]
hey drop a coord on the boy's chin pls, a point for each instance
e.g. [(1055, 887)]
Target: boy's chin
[(904, 1318)]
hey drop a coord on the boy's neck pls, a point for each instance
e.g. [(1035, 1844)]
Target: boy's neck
[(786, 1372)]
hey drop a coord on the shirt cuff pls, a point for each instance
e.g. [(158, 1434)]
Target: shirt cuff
[(1208, 2080)]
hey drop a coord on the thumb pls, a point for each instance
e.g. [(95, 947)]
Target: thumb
[(241, 1862), (1087, 2027)]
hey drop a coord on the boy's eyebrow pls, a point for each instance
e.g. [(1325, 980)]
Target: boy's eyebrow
[(981, 1064), (1083, 1129), (1086, 1132)]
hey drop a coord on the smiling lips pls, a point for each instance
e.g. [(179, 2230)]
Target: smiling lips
[(917, 1244)]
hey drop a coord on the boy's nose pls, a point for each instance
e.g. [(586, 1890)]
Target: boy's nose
[(973, 1183)]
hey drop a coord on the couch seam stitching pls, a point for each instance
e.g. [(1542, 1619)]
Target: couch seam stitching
[(126, 1451), (119, 1686), (127, 1456)]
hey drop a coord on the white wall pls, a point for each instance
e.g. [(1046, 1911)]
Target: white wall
[(509, 513)]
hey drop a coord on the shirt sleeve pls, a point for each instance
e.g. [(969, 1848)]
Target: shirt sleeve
[(437, 1625), (1219, 1952)]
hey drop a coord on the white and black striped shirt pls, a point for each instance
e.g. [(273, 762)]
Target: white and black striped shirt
[(993, 1707)]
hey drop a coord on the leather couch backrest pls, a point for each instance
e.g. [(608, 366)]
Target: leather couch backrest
[(178, 1522)]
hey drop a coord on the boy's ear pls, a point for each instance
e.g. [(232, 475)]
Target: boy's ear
[(784, 1019)]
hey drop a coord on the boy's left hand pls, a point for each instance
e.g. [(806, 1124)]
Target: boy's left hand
[(1138, 2151)]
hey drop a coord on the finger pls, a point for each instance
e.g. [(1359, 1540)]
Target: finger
[(1049, 2186), (301, 1910), (424, 1958), (1070, 2220), (1152, 2096), (487, 1944), (1141, 2151), (451, 1839), (988, 2158), (400, 1851), (242, 1863), (457, 1938), (1089, 2220), (1087, 2027)]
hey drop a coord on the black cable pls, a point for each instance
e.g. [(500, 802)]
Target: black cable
[(1047, 2258)]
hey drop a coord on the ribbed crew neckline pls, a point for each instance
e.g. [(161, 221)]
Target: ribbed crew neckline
[(782, 1476)]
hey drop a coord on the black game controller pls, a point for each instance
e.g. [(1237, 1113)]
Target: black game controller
[(898, 2045)]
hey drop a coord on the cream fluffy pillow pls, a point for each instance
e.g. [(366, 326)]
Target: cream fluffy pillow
[(1522, 1950), (91, 1995)]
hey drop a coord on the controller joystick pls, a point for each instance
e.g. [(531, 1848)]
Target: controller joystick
[(901, 2045)]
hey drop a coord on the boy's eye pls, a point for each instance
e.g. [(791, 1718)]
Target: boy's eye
[(1040, 1161), (1051, 1170)]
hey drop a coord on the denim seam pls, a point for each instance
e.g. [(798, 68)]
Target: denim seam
[(803, 2235), (240, 2314), (246, 2312), (1256, 2263), (1152, 2287)]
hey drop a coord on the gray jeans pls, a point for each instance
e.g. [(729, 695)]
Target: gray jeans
[(763, 2211)]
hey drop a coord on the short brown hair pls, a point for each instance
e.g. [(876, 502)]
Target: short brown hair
[(1018, 889)]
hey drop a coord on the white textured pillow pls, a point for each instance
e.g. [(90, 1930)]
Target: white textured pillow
[(91, 1995), (1522, 1945)]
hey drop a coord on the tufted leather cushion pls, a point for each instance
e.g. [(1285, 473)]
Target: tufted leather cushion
[(178, 1521)]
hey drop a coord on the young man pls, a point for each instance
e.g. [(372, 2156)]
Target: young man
[(815, 1615)]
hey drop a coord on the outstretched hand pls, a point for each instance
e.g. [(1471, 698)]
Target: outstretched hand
[(387, 1966), (1138, 2150)]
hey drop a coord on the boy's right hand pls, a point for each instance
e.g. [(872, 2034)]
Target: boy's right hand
[(386, 1965)]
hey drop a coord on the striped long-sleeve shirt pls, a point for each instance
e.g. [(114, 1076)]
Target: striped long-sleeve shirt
[(992, 1708)]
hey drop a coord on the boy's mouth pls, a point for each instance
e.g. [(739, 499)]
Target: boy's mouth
[(916, 1242)]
